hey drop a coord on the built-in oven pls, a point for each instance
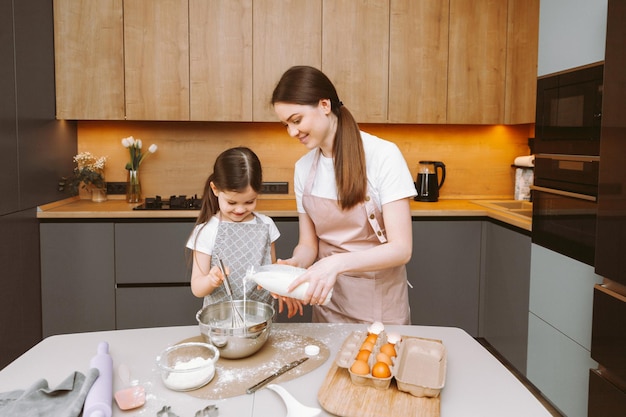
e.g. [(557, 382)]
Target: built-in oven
[(564, 195), (569, 111)]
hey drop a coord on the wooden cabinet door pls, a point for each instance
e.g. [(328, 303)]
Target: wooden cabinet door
[(355, 55), (89, 59), (220, 55), (477, 61), (156, 53), (286, 33), (521, 61), (418, 61)]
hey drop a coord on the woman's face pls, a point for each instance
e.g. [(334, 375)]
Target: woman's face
[(313, 126), (236, 206)]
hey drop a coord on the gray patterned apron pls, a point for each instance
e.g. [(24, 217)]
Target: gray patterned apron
[(240, 246), (358, 297)]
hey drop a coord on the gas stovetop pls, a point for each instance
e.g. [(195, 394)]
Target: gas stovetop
[(180, 202)]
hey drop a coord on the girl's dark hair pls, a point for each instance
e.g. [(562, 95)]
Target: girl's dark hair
[(307, 86), (235, 169)]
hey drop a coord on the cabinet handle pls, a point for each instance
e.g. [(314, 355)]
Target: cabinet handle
[(564, 193)]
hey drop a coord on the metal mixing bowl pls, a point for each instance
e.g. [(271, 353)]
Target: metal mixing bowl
[(215, 322)]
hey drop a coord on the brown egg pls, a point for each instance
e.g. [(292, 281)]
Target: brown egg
[(363, 355), (367, 346), (372, 338), (381, 370), (383, 357), (388, 349), (360, 368)]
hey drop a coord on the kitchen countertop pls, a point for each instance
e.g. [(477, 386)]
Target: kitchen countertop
[(477, 384), (74, 208)]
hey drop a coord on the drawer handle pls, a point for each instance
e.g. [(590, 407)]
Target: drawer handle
[(564, 193)]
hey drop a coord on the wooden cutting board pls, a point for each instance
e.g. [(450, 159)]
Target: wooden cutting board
[(338, 395)]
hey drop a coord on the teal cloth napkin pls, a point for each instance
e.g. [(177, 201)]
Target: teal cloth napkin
[(66, 400)]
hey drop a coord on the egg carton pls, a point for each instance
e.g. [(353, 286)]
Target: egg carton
[(347, 354), (419, 367)]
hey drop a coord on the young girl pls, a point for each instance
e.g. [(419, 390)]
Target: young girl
[(229, 229)]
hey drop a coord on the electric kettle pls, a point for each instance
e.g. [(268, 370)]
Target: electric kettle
[(428, 182)]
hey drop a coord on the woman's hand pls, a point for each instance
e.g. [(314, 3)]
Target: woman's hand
[(321, 277)]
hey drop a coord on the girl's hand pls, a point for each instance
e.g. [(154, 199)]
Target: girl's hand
[(215, 277), (293, 306), (289, 261), (203, 283)]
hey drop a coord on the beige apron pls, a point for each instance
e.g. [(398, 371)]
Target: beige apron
[(239, 246), (358, 297)]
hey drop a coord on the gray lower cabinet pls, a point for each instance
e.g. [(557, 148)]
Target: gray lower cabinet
[(505, 283), (444, 272), (109, 275), (152, 275), (77, 277)]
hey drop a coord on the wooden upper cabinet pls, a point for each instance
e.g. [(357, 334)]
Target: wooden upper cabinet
[(355, 55), (394, 61), (521, 61), (477, 61), (156, 52), (418, 61), (89, 59), (220, 55), (286, 33)]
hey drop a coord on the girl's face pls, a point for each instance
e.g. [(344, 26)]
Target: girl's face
[(236, 206), (313, 126)]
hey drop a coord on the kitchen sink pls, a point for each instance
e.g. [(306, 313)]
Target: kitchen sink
[(515, 207), (512, 205)]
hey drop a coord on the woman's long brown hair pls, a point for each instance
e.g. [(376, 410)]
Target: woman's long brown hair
[(307, 86)]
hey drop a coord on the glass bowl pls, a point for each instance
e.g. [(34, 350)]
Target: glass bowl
[(187, 366)]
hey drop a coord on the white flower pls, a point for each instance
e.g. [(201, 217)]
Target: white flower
[(136, 156)]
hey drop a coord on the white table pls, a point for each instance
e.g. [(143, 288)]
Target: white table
[(477, 384)]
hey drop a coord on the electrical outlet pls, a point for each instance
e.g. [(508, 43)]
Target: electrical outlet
[(116, 188), (275, 188)]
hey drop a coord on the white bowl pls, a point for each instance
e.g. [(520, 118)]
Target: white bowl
[(188, 366)]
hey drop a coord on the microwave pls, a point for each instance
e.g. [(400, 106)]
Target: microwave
[(569, 112)]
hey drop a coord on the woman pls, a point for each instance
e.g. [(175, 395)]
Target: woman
[(352, 192)]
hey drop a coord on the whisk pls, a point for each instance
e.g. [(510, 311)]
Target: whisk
[(237, 320)]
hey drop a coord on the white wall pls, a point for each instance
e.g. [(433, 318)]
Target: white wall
[(571, 33)]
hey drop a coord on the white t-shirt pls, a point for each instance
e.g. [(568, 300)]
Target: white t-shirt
[(205, 241), (388, 176)]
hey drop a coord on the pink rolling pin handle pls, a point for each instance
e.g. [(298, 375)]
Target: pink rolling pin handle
[(100, 397)]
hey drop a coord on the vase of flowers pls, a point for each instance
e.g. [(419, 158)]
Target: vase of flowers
[(133, 191), (88, 175)]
